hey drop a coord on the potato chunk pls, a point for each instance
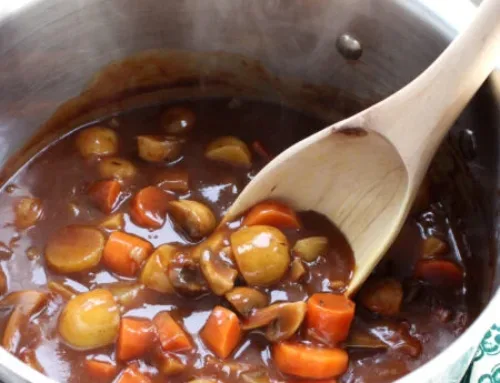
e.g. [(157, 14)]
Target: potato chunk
[(97, 141), (117, 168), (154, 272), (159, 148), (27, 212), (230, 150)]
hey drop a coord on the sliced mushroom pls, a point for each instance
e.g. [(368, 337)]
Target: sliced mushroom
[(245, 299), (261, 253), (113, 222), (215, 243), (61, 290), (282, 320), (178, 120), (117, 168), (186, 278), (433, 246), (90, 320), (75, 248), (27, 212), (154, 272), (23, 304), (159, 148), (382, 296), (230, 150), (97, 141), (127, 294), (297, 270), (309, 249), (175, 180), (255, 377), (362, 340), (219, 275), (194, 217)]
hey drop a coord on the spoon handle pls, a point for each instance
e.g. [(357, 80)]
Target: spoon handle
[(416, 118)]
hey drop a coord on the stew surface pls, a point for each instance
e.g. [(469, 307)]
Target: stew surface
[(114, 269)]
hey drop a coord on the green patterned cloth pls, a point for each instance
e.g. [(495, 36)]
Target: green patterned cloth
[(485, 367)]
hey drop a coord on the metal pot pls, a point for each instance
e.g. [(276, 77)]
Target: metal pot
[(49, 49)]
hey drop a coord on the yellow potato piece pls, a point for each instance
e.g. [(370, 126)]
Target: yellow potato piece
[(97, 141), (27, 212), (113, 222), (261, 253), (117, 168), (309, 249), (90, 320), (230, 150), (154, 272), (127, 294), (159, 148), (194, 217), (75, 248)]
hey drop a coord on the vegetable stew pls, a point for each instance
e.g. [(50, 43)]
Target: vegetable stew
[(115, 266)]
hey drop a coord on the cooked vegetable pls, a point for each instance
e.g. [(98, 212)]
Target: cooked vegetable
[(261, 253), (194, 217), (246, 299), (113, 222), (297, 270), (272, 213), (309, 362), (214, 243), (90, 320), (104, 371), (363, 340), (124, 253), (169, 364), (439, 273), (61, 290), (127, 294), (149, 207), (117, 168), (382, 296), (75, 248), (222, 332), (3, 282), (186, 277), (309, 249), (255, 377), (23, 304), (132, 375), (174, 180), (230, 150), (159, 148), (172, 336), (219, 275), (105, 194), (178, 120), (27, 212), (433, 246), (135, 338), (329, 317), (97, 141), (154, 273)]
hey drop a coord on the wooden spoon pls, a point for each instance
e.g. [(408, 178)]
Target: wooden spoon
[(363, 172)]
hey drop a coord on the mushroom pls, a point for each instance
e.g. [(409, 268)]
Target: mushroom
[(382, 296), (127, 294), (215, 243), (159, 148), (113, 222), (186, 278), (178, 120), (194, 217), (219, 275), (27, 212), (154, 272), (174, 180), (246, 299), (363, 340), (117, 168), (297, 270), (74, 248), (90, 320), (434, 246), (261, 253), (97, 141), (309, 249), (282, 320), (230, 150)]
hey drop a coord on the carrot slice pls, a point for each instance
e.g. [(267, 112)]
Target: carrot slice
[(149, 207), (172, 335), (132, 375), (104, 371), (308, 361), (135, 338), (222, 332), (105, 194), (272, 213), (439, 273), (124, 253), (329, 317)]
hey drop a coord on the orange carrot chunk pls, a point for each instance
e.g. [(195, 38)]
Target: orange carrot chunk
[(104, 371), (149, 207), (329, 317), (132, 375), (272, 213), (105, 194), (124, 253), (172, 335), (308, 361), (135, 338), (439, 273), (222, 332)]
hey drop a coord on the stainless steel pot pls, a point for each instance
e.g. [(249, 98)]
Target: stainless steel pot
[(50, 48)]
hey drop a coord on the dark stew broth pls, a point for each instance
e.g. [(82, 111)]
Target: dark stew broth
[(113, 270)]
